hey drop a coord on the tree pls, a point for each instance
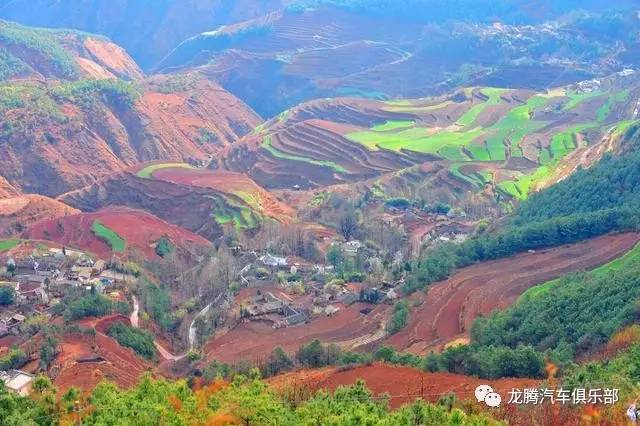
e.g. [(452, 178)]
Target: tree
[(277, 362), (335, 258), (399, 317), (7, 295), (11, 266), (348, 225), (163, 247), (311, 355), (49, 348)]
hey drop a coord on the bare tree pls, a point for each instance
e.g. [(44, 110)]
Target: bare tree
[(348, 225)]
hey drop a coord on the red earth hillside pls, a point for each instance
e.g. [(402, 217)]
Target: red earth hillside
[(402, 384), (139, 230), (86, 360), (18, 213), (6, 189), (231, 183), (449, 308)]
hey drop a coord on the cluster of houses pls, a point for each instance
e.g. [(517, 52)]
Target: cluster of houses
[(41, 279), (318, 299)]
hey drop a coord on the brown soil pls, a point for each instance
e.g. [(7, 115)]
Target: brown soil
[(113, 59), (451, 306), (104, 359), (402, 384), (18, 213), (187, 206), (231, 183), (139, 229), (6, 189), (255, 340)]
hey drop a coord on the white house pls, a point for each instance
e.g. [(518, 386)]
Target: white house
[(18, 381)]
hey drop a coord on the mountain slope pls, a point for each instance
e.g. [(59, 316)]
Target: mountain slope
[(113, 125), (27, 52), (300, 53), (148, 30), (65, 93), (514, 141)]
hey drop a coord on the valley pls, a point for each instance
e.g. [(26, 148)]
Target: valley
[(317, 211)]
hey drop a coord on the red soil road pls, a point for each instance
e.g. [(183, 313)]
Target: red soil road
[(230, 183), (402, 384), (255, 340), (139, 229), (451, 306)]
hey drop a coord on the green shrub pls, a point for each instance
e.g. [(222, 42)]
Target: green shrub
[(7, 295), (399, 317), (93, 305), (163, 247), (140, 341)]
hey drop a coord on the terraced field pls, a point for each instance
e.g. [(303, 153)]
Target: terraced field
[(451, 306), (114, 230), (517, 140)]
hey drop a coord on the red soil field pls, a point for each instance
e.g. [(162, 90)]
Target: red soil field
[(19, 212), (402, 384), (255, 340), (104, 359), (236, 184), (139, 229), (6, 189), (450, 306)]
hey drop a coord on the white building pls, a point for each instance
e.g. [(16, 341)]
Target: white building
[(18, 381)]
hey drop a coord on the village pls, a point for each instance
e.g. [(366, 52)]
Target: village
[(33, 283), (278, 290)]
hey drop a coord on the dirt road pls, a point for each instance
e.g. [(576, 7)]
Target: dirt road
[(451, 306)]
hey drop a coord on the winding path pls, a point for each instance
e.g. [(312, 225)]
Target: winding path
[(135, 322)]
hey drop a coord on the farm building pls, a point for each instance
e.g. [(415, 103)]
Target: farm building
[(18, 381), (274, 261)]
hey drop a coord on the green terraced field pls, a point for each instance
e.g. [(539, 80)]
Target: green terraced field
[(9, 244), (466, 144), (514, 127), (114, 240), (266, 144), (393, 125), (416, 139), (478, 179), (521, 187), (605, 110), (398, 106), (239, 215), (148, 171), (565, 142), (576, 99), (470, 117)]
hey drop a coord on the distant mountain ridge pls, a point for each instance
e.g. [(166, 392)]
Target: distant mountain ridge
[(147, 29)]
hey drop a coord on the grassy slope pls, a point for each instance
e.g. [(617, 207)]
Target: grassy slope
[(632, 257), (148, 171), (114, 240), (9, 244)]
